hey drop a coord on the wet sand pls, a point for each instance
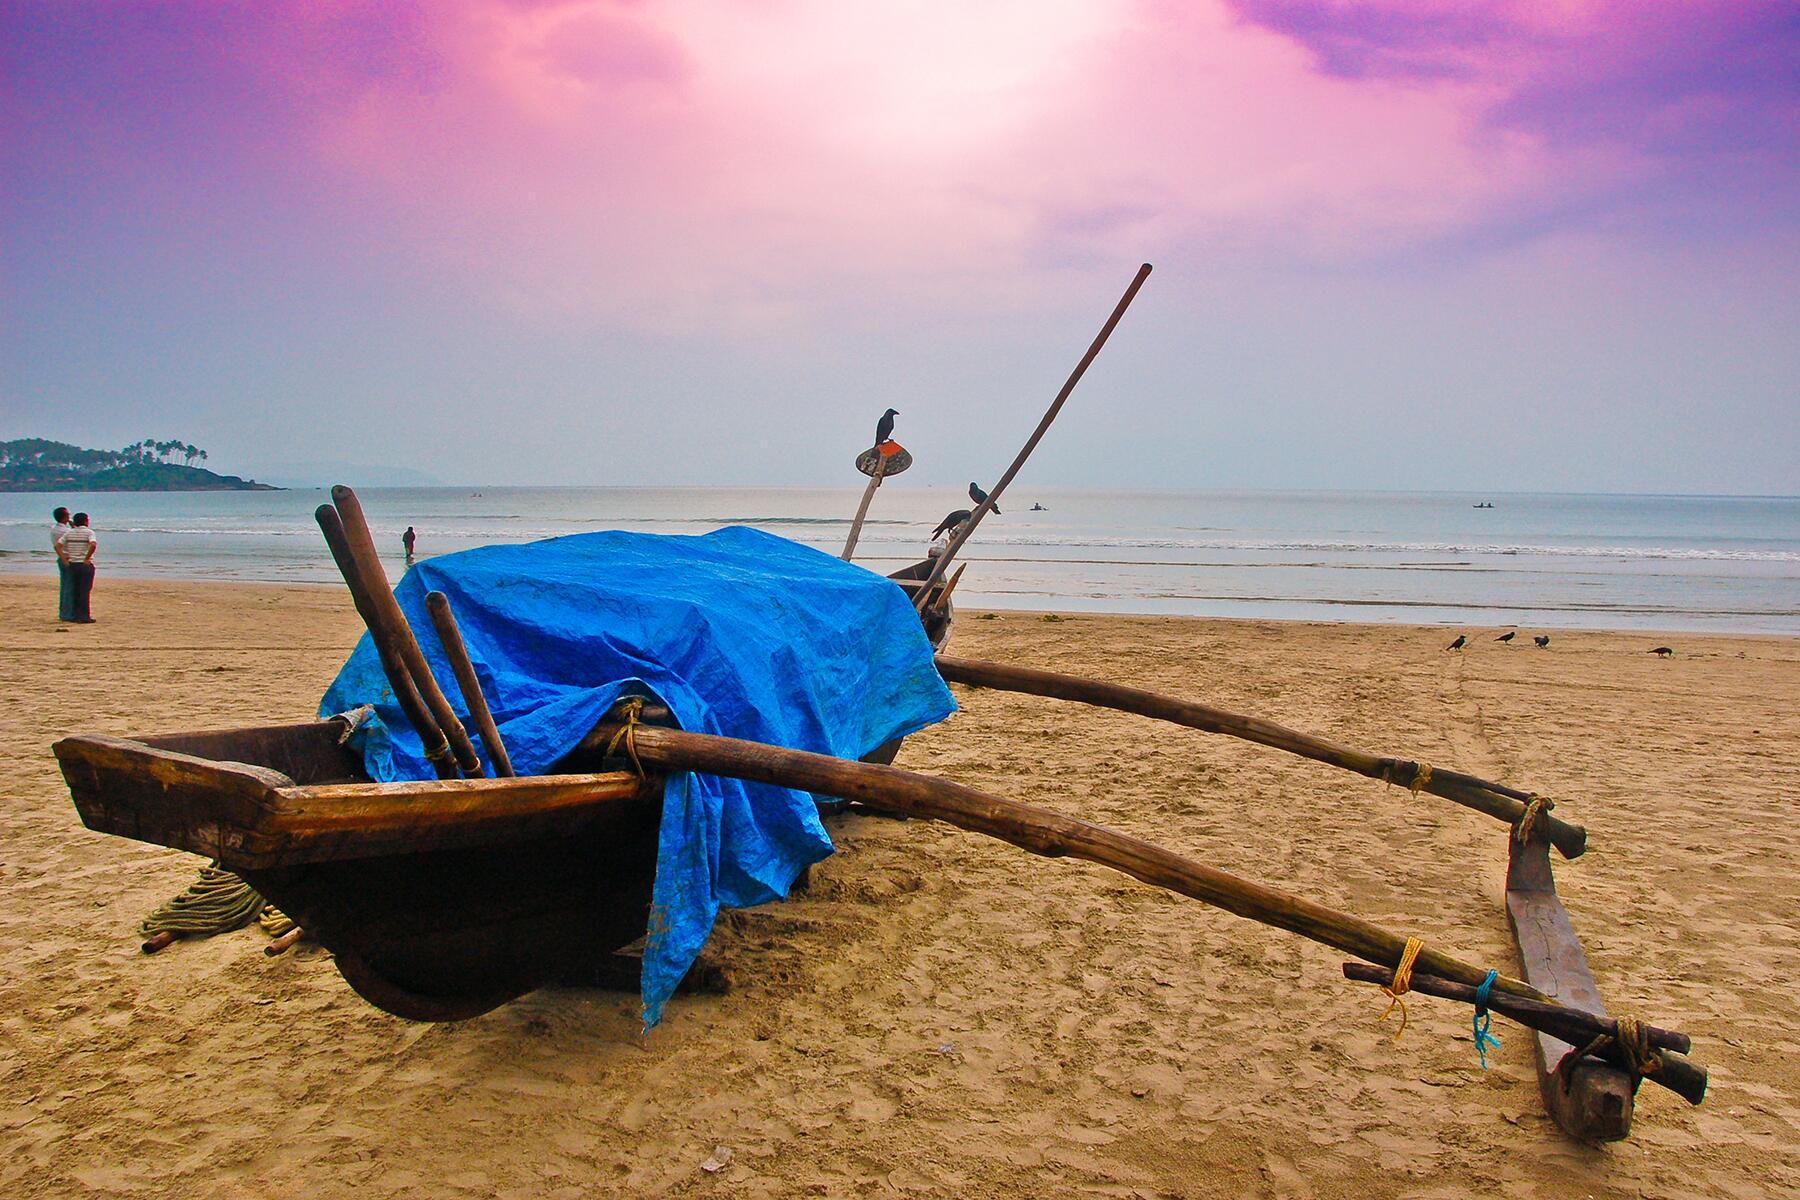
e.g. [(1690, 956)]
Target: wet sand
[(943, 1014)]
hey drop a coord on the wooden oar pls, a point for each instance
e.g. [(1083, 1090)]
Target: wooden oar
[(1496, 800), (387, 648), (1686, 1079), (368, 562), (438, 605), (993, 497)]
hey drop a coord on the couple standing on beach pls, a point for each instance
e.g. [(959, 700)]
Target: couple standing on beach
[(75, 544)]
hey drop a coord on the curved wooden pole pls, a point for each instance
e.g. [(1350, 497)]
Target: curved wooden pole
[(1686, 1079), (1496, 800), (1037, 435), (450, 636), (368, 561), (437, 749), (862, 510), (1041, 831), (1049, 833)]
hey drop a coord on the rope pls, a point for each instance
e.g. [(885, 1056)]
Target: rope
[(1484, 1019), (1402, 984), (629, 711), (1420, 779), (216, 902), (1632, 1039), (274, 922), (1536, 807), (1634, 1042), (441, 753)]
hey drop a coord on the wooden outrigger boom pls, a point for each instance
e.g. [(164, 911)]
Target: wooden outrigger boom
[(1051, 834), (1496, 800)]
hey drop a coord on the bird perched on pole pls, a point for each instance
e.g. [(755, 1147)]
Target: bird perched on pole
[(884, 428), (1542, 640), (980, 497), (952, 521), (1507, 636), (1458, 644)]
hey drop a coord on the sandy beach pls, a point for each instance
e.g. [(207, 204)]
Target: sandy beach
[(944, 1014)]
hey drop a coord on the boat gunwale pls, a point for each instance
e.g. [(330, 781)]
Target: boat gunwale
[(287, 823)]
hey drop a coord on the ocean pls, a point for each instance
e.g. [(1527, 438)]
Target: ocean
[(1720, 563)]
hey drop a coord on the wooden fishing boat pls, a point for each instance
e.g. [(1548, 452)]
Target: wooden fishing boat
[(444, 898), (440, 899)]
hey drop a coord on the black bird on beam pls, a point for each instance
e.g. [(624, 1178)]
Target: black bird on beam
[(980, 497), (952, 521), (1542, 640), (1507, 636), (884, 428), (1458, 644)]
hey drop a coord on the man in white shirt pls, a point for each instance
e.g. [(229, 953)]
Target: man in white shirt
[(78, 547), (65, 594)]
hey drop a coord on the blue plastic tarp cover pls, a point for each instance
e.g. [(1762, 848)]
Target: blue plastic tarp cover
[(738, 632)]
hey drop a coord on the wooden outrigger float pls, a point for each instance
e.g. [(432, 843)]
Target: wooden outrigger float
[(443, 898), (1589, 1097)]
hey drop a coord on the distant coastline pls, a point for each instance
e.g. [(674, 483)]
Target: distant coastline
[(40, 465)]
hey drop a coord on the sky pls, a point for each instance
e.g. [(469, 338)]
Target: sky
[(1481, 245)]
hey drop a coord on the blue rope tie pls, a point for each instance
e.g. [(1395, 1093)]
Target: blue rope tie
[(1483, 1019)]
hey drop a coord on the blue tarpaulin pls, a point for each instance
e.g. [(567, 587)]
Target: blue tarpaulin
[(739, 632)]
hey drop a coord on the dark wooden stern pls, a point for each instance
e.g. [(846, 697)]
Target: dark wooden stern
[(1592, 1100), (439, 899)]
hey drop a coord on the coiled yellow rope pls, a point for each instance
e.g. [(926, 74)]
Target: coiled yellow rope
[(1402, 983), (217, 901)]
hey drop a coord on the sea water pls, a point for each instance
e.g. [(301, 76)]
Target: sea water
[(1552, 561)]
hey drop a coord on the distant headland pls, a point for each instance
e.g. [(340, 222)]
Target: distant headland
[(40, 465)]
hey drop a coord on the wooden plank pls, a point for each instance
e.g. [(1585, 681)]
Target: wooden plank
[(249, 816), (1594, 1101), (308, 752), (168, 798), (356, 820)]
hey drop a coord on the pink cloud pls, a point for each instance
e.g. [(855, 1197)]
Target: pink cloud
[(673, 165)]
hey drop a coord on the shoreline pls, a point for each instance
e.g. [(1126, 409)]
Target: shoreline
[(17, 576)]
